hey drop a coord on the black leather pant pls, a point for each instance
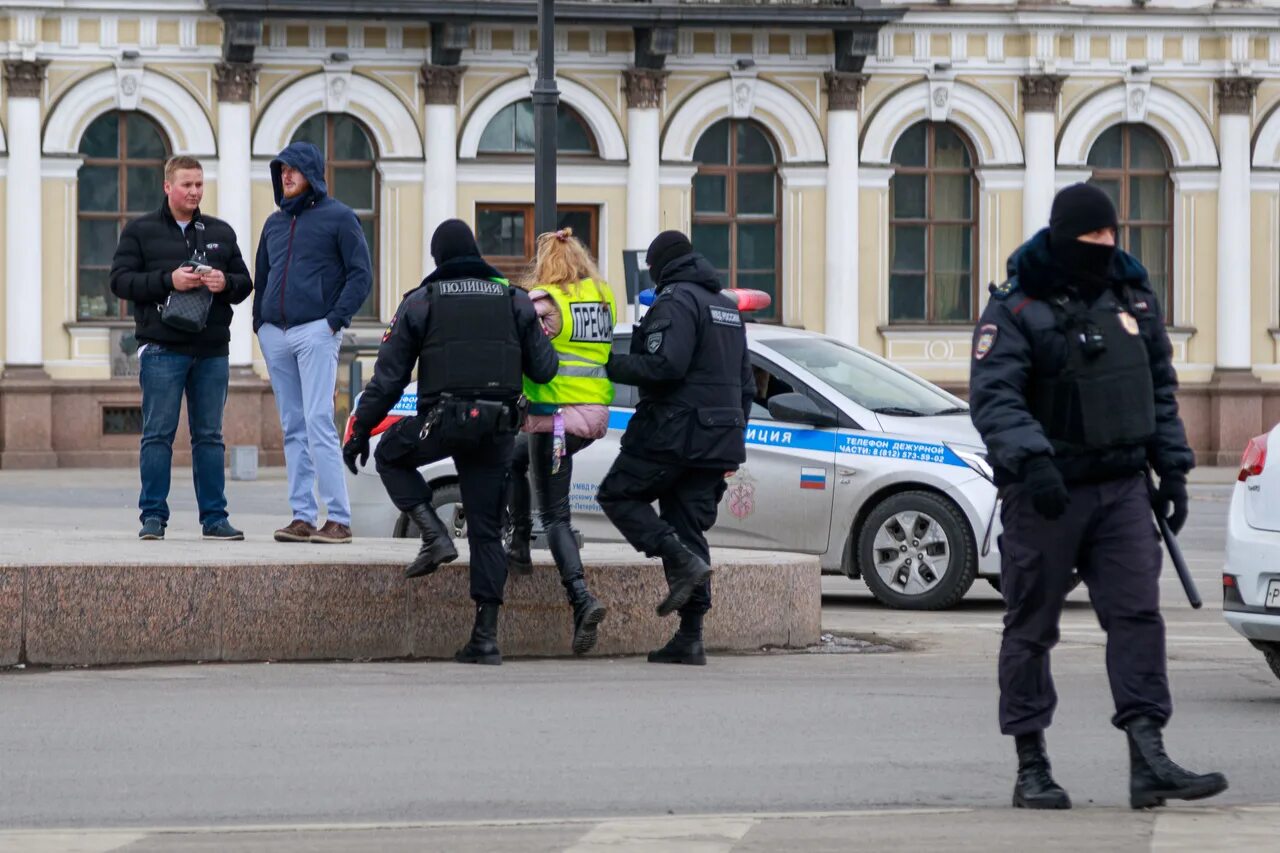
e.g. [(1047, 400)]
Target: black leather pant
[(532, 456)]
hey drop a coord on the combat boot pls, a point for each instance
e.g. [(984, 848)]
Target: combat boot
[(483, 645), (1035, 788), (437, 543), (685, 572), (685, 646), (1154, 778), (588, 612), (519, 556)]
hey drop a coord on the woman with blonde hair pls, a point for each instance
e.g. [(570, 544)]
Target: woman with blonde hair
[(568, 413)]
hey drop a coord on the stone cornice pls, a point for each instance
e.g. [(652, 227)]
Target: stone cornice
[(644, 87)]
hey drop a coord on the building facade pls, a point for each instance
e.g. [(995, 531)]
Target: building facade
[(872, 165)]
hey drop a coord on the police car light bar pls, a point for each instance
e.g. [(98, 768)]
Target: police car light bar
[(747, 299)]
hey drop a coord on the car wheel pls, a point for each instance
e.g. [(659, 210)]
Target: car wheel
[(447, 501), (1271, 651), (916, 553)]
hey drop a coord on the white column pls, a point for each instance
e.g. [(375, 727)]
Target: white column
[(1039, 102), (1038, 188), (643, 136), (842, 297), (1234, 252), (24, 274), (235, 207), (440, 175)]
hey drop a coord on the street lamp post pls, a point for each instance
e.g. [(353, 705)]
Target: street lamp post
[(546, 100)]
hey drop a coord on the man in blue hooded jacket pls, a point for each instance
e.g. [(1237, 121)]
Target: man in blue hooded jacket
[(313, 274)]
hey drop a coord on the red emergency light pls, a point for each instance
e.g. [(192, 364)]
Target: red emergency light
[(747, 299)]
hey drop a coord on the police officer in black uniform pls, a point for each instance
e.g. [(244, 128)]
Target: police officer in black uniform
[(1073, 390), (689, 360), (471, 336)]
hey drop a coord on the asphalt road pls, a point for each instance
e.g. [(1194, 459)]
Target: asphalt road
[(795, 751)]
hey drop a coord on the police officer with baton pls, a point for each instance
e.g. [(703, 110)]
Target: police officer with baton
[(1073, 390)]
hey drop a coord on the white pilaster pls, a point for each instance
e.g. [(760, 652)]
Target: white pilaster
[(643, 131), (1039, 186), (440, 187), (234, 206), (24, 319), (1234, 258), (841, 304)]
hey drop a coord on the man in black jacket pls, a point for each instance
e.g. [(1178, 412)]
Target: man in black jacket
[(689, 360), (471, 336), (179, 252), (1072, 387)]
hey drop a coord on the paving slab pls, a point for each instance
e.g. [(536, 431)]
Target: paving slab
[(11, 592)]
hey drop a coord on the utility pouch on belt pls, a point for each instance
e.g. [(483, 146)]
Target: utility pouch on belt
[(462, 425)]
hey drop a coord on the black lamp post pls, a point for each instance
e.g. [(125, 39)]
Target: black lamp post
[(546, 100)]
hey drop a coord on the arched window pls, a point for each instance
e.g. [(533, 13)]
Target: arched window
[(736, 215), (511, 131), (121, 179), (933, 227), (351, 172), (1131, 164)]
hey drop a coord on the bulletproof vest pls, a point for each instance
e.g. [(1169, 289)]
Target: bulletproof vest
[(472, 347), (714, 377), (1103, 397)]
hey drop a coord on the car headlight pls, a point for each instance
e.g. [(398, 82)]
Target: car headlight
[(978, 462)]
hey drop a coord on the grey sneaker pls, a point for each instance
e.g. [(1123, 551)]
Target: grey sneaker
[(224, 531), (152, 529)]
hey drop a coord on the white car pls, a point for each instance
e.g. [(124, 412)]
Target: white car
[(849, 457), (1251, 576)]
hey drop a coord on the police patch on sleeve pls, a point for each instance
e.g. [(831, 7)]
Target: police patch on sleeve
[(653, 342), (391, 328), (986, 340), (725, 316)]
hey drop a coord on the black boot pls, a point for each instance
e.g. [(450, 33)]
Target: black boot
[(519, 560), (483, 645), (685, 572), (686, 646), (588, 612), (1035, 788), (1154, 778), (437, 543)]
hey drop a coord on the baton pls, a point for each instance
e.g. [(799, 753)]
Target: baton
[(1175, 553)]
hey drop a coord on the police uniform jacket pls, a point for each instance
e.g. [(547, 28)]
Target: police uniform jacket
[(689, 360), (1022, 346), (406, 337)]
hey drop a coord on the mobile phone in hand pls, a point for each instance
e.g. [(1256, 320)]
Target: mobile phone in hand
[(198, 269)]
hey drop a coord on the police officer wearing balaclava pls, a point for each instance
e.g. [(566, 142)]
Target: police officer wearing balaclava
[(471, 337), (1073, 390), (688, 358)]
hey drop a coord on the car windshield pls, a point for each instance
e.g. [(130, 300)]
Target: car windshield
[(866, 381)]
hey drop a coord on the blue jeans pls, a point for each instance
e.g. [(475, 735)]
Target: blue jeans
[(165, 377), (303, 363)]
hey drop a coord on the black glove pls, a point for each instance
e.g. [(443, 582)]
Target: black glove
[(357, 447), (1048, 492), (1170, 500)]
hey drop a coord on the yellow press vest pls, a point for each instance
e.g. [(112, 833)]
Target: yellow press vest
[(583, 343)]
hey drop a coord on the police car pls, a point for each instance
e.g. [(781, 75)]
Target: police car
[(876, 471), (1251, 575)]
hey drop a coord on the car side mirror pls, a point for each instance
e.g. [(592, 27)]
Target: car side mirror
[(799, 409)]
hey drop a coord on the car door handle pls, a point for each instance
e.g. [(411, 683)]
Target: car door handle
[(846, 472)]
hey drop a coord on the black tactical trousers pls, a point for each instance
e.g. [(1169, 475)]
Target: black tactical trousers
[(687, 504), (1109, 536), (533, 455), (482, 479)]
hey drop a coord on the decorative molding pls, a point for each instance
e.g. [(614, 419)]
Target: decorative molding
[(1119, 44), (977, 113), (1082, 47), (1063, 178), (441, 83), (1155, 48), (337, 88), (760, 43), (939, 107), (844, 90), (920, 45), (70, 33), (871, 178), (399, 172), (277, 36), (786, 116), (996, 180), (799, 47), (1137, 94), (147, 26), (644, 87), (108, 27), (1040, 91), (959, 46), (1235, 94), (24, 78), (1191, 49), (482, 39), (1264, 182), (676, 176), (567, 174), (189, 34), (1188, 136), (355, 36), (884, 45), (995, 46), (1193, 181), (129, 87), (61, 168), (395, 128), (743, 93), (235, 81), (803, 177), (598, 115), (315, 36), (597, 41)]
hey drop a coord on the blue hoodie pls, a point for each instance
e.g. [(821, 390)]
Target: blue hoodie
[(313, 262)]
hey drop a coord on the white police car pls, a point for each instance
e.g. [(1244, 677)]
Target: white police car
[(1251, 574), (875, 470)]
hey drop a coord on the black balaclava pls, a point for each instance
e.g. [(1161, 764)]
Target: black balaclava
[(664, 249), (453, 239), (1080, 209)]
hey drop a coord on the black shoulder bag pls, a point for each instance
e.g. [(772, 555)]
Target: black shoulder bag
[(188, 310)]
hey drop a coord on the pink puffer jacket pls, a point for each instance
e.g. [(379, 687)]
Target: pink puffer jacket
[(585, 421)]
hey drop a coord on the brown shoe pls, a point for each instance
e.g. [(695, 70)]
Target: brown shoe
[(332, 533), (297, 531)]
